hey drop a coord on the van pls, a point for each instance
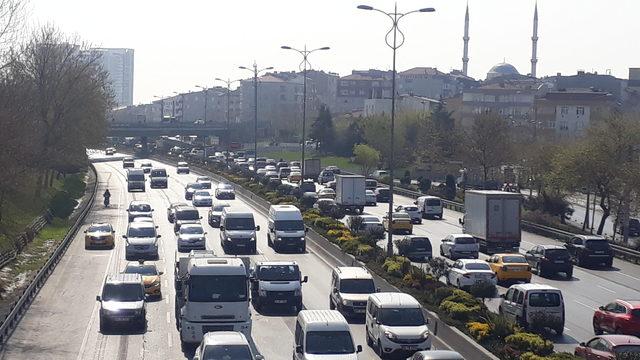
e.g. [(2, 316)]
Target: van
[(395, 325), (286, 228), (323, 334), (135, 180), (350, 289), (429, 206), (158, 178), (238, 230), (370, 184), (534, 306)]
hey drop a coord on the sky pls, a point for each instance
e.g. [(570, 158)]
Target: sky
[(181, 44)]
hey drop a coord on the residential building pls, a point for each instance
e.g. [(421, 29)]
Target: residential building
[(354, 89), (513, 103), (405, 104), (118, 63), (428, 82), (585, 81)]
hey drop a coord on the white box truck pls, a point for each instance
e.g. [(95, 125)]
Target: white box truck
[(312, 168), (493, 218), (351, 192)]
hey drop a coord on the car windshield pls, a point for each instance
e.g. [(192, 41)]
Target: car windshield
[(182, 164), (401, 317), (220, 207), (514, 260), (278, 273), (225, 186), (145, 165), (140, 207), (401, 216), (289, 225), (202, 193), (327, 173), (191, 230), (187, 215), (159, 173), (556, 253), (205, 185), (227, 352), (135, 232), (194, 186), (544, 299), (477, 266), (410, 208), (433, 202), (371, 219), (135, 177), (357, 286), (597, 244), (383, 191), (222, 288), (122, 292), (141, 269), (465, 241), (627, 349), (329, 342), (99, 228), (369, 192), (420, 241), (239, 223)]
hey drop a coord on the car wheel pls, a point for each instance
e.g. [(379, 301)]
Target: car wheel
[(441, 252), (103, 325), (596, 329), (369, 341), (331, 305), (451, 255), (559, 330), (380, 351), (609, 263), (569, 274)]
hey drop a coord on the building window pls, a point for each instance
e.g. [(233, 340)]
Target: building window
[(564, 110), (282, 97), (361, 92), (580, 110), (344, 92)]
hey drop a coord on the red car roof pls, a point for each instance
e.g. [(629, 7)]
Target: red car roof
[(617, 340)]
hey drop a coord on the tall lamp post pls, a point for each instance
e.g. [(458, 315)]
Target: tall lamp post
[(254, 69), (206, 99), (393, 33), (305, 55), (228, 82)]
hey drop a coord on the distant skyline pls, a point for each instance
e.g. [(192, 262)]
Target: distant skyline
[(180, 45)]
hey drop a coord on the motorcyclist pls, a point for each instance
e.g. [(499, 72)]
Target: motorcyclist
[(107, 196)]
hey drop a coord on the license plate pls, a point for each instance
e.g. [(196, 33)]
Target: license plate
[(121, 319), (280, 301), (409, 347), (559, 261), (599, 252), (359, 311), (241, 245)]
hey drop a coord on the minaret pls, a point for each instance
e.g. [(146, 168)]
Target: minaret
[(534, 43), (465, 55)]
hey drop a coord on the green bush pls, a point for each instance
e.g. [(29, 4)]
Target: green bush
[(74, 185), (463, 297), (396, 266), (501, 327), (563, 356), (62, 204), (459, 311), (350, 246), (528, 342), (483, 290), (442, 293), (323, 222)]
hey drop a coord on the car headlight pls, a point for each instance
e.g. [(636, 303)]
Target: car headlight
[(252, 239), (262, 292), (279, 239), (390, 335), (302, 238), (297, 292), (345, 302), (425, 334), (156, 282)]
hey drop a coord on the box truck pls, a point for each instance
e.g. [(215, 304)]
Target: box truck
[(351, 192), (311, 168)]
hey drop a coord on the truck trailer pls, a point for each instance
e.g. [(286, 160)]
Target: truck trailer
[(351, 192)]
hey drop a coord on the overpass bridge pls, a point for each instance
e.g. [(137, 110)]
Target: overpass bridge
[(166, 129)]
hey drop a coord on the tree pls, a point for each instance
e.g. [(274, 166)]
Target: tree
[(348, 135), (367, 157), (377, 130), (488, 144), (322, 129)]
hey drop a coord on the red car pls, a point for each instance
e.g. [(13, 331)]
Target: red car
[(618, 317), (608, 347)]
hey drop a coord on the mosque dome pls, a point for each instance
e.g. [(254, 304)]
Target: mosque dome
[(502, 69)]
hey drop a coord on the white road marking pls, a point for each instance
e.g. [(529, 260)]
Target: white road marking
[(629, 276), (169, 340), (585, 305), (166, 299), (168, 317), (604, 288), (566, 329)]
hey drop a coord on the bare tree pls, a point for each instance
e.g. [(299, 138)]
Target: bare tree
[(487, 144)]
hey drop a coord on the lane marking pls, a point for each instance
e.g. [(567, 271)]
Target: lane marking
[(604, 288), (168, 317), (169, 340), (629, 276), (585, 305)]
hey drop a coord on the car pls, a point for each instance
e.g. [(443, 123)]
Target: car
[(128, 162), (326, 193), (325, 176), (150, 277), (294, 177), (295, 163), (158, 178), (350, 289), (590, 250), (281, 164), (191, 237), (225, 191), (370, 184), (379, 174), (465, 273), (185, 215), (225, 345), (334, 169), (459, 246), (383, 194), (110, 151), (270, 168), (429, 207), (326, 206), (412, 210), (272, 174), (122, 302), (548, 260), (370, 198), (414, 247), (271, 162), (191, 188), (400, 222), (141, 241), (510, 267), (171, 210), (618, 317), (609, 347), (182, 168), (331, 185), (143, 219), (370, 223), (203, 178), (532, 306), (139, 208), (206, 184), (634, 227), (436, 355), (213, 218), (307, 186), (261, 172), (295, 168), (146, 167), (99, 235), (323, 335), (202, 198), (276, 283)]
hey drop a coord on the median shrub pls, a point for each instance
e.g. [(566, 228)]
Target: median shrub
[(349, 246), (323, 222), (527, 342), (442, 293), (365, 251), (396, 266), (310, 215), (459, 311), (566, 356), (337, 233), (479, 330)]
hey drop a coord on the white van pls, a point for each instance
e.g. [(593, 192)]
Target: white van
[(395, 325), (286, 228), (323, 334), (429, 206), (534, 305), (238, 230)]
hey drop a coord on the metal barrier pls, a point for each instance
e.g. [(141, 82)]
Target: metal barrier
[(21, 241), (20, 306)]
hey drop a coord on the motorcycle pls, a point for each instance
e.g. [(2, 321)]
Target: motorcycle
[(106, 201)]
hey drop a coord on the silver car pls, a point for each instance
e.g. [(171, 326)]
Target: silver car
[(436, 355), (191, 237), (141, 241), (122, 302), (413, 211), (139, 209), (202, 198)]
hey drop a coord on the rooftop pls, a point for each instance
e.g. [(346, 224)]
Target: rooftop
[(421, 70), (225, 338), (353, 272)]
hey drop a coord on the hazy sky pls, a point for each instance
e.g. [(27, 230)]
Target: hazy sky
[(180, 44)]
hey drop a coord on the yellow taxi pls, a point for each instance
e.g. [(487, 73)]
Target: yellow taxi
[(510, 267), (150, 276), (400, 222), (99, 235)]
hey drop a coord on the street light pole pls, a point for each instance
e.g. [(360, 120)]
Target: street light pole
[(305, 55), (395, 17), (228, 82), (255, 71)]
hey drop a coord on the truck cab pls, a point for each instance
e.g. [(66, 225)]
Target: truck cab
[(276, 283), (286, 228), (214, 296)]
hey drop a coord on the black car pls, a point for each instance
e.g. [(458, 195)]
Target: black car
[(590, 250), (548, 260), (634, 228), (383, 194)]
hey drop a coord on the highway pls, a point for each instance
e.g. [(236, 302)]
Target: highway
[(63, 322)]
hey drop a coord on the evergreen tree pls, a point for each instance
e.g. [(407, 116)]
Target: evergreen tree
[(322, 129)]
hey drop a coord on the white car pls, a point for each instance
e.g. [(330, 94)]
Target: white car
[(372, 223), (466, 273), (270, 168), (457, 246), (225, 345), (326, 193), (413, 211), (202, 198), (370, 198), (182, 168)]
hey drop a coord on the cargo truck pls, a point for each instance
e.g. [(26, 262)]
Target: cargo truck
[(493, 219), (351, 192), (312, 168)]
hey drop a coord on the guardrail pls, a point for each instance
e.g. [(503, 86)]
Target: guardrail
[(21, 241), (20, 306)]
